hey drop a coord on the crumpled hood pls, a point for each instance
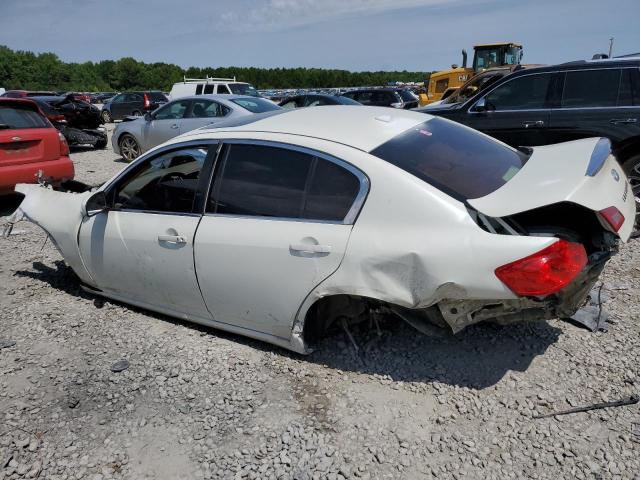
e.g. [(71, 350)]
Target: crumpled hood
[(558, 173)]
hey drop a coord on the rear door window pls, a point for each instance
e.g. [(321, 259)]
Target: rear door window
[(16, 116), (523, 93), (591, 88), (628, 95), (461, 162), (332, 191), (267, 181), (207, 109), (262, 181)]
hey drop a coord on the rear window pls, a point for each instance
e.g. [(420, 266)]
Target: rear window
[(243, 89), (157, 97), (256, 105), (20, 116), (461, 162)]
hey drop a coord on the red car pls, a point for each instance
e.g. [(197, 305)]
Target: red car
[(29, 144)]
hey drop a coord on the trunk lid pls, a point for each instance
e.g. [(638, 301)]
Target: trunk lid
[(18, 147), (583, 172)]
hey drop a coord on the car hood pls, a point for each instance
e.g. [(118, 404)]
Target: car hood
[(583, 172)]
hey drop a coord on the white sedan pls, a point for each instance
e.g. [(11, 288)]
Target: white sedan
[(277, 226)]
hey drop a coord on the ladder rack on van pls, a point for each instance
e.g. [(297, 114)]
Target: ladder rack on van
[(208, 79)]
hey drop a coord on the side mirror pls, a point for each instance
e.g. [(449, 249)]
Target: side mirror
[(95, 204), (148, 117)]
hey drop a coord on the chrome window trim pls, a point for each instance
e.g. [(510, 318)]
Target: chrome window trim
[(356, 206), (470, 109)]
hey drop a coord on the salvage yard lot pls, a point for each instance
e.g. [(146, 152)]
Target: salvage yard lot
[(199, 403)]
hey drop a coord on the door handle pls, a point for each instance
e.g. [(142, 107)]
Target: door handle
[(308, 248), (533, 124), (174, 126), (177, 239), (620, 121)]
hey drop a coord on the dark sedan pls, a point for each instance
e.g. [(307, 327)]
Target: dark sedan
[(315, 100), (384, 97)]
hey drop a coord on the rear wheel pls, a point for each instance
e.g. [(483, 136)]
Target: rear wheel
[(129, 147), (632, 169), (106, 116)]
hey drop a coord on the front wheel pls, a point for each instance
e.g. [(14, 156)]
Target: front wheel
[(632, 168), (129, 147)]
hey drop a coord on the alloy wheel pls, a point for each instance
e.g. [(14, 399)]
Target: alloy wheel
[(129, 148)]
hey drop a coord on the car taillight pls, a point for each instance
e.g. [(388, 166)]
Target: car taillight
[(613, 217), (545, 272), (56, 118), (64, 146), (147, 103)]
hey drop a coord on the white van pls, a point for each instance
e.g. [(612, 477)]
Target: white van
[(2, 90), (209, 85)]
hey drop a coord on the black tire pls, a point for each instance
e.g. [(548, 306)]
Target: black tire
[(106, 116), (101, 145), (136, 113), (631, 167), (129, 147)]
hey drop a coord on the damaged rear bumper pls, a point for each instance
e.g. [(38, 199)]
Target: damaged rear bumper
[(459, 314)]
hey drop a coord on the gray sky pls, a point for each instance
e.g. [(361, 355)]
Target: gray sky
[(416, 35)]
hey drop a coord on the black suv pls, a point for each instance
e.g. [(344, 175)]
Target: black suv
[(384, 97), (131, 103), (540, 106)]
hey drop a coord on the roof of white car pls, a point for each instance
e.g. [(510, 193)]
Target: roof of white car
[(361, 127)]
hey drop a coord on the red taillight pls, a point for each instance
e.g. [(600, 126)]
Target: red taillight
[(613, 217), (147, 103), (56, 118), (545, 272), (64, 146)]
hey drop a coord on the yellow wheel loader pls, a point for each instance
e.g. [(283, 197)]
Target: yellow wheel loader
[(490, 55)]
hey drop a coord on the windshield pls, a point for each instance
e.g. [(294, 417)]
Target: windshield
[(256, 105), (461, 162), (473, 86), (244, 89), (407, 96)]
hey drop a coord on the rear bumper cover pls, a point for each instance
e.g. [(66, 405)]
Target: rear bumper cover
[(58, 170), (459, 314)]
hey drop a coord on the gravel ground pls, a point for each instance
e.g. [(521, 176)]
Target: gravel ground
[(192, 402)]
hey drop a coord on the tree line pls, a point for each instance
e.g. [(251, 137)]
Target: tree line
[(21, 69)]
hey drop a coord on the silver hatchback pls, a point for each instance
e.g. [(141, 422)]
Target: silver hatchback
[(135, 135)]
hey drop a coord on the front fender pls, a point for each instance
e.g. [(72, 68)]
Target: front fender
[(60, 214)]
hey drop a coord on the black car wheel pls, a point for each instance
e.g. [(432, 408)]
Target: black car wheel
[(129, 147), (106, 116), (632, 169)]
